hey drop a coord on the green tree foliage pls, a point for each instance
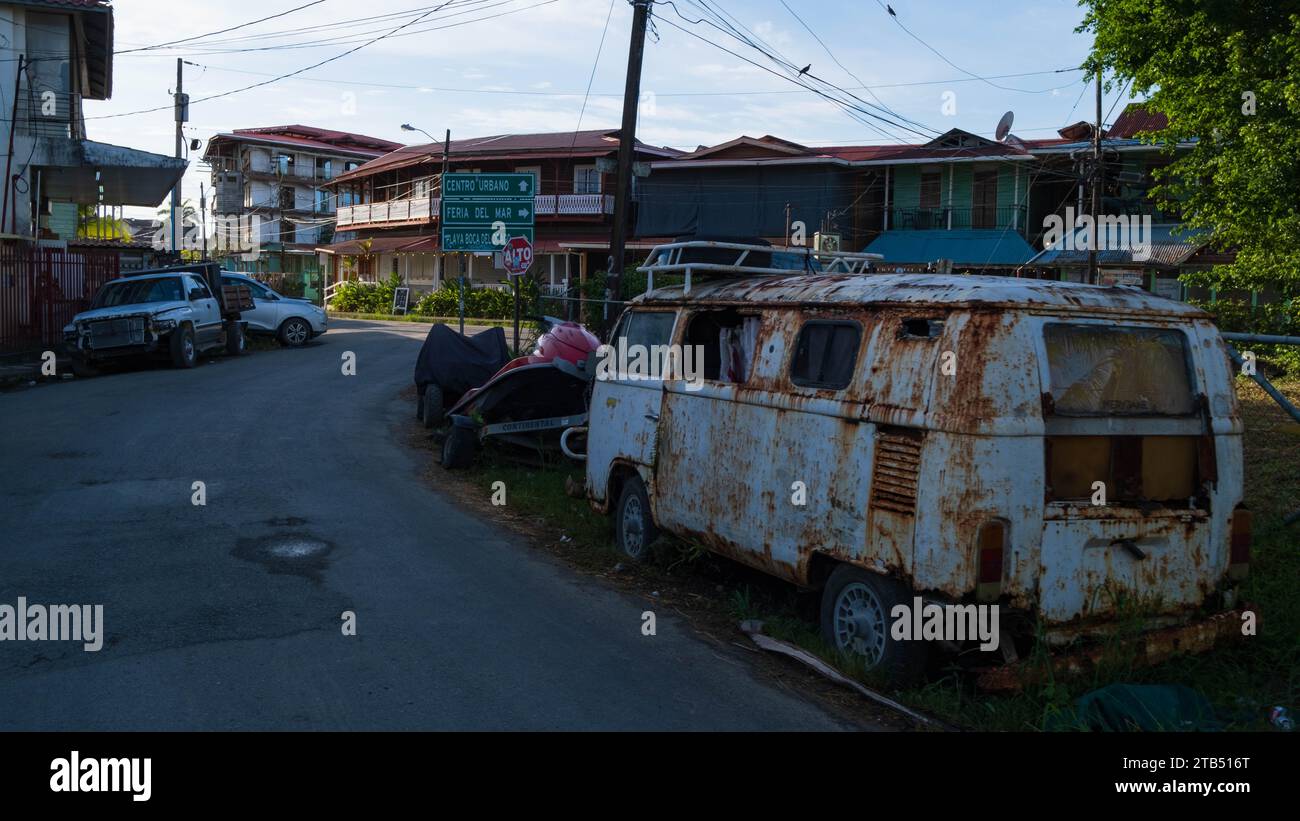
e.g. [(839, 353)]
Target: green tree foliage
[(1206, 65)]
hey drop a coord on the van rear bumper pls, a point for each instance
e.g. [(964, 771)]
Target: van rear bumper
[(1149, 648)]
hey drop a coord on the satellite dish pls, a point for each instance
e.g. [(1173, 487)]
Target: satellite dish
[(1004, 126)]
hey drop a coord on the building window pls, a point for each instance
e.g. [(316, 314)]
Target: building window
[(322, 200), (586, 179), (284, 164), (325, 169), (930, 182), (287, 198)]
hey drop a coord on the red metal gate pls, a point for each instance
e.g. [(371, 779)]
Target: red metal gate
[(41, 289)]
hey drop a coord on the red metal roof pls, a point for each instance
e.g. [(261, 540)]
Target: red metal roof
[(1135, 119), (594, 143), (320, 139)]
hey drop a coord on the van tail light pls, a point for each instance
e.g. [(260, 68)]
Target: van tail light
[(1239, 549), (992, 540)]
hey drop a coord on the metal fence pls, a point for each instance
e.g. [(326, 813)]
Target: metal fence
[(41, 289)]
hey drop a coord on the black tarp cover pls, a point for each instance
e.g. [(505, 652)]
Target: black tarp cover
[(457, 363)]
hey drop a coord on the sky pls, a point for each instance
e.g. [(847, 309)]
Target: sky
[(482, 67)]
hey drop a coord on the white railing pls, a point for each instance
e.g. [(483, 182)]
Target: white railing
[(427, 209), (578, 204), (408, 210)]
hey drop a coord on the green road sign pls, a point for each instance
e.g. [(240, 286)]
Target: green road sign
[(479, 186), (476, 208), (478, 239), (483, 212)]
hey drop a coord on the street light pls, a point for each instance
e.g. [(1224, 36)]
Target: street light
[(409, 127)]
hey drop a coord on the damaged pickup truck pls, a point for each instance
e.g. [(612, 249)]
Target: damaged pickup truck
[(177, 312), (1069, 453)]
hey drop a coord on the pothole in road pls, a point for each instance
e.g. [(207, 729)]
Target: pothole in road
[(297, 554)]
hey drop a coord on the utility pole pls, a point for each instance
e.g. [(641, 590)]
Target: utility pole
[(203, 217), (626, 146), (182, 113), (1097, 178)]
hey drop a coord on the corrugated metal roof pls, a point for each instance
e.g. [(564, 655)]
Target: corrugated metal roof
[(1135, 119), (924, 289), (1166, 250), (301, 136), (597, 142), (977, 247)]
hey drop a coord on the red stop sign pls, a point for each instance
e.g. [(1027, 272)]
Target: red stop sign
[(517, 255)]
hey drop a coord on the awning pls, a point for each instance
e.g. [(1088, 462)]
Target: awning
[(74, 170), (975, 247), (381, 245), (1162, 249)]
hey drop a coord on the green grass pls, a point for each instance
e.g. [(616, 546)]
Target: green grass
[(1243, 679)]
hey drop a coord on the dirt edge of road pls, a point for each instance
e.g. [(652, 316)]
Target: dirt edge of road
[(695, 601)]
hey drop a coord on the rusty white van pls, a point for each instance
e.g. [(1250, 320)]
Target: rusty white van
[(1071, 453)]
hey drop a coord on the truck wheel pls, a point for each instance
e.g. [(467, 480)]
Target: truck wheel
[(295, 332), (82, 369), (185, 354), (235, 342), (856, 620), (431, 406), (458, 448), (634, 527)]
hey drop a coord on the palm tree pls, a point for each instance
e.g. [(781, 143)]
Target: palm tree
[(90, 223)]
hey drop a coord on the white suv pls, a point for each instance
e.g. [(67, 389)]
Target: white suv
[(292, 321)]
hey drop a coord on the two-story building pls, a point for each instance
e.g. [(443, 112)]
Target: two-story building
[(54, 55), (278, 179), (392, 227), (959, 197)]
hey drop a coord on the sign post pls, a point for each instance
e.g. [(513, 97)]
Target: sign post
[(518, 258), (490, 212)]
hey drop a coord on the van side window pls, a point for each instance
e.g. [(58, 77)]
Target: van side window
[(646, 328), (825, 354), (727, 340)]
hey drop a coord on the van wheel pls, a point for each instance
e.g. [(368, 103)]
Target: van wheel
[(184, 352), (634, 527), (458, 448), (431, 406), (856, 621)]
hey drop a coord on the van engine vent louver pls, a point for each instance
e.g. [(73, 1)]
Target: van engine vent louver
[(897, 464)]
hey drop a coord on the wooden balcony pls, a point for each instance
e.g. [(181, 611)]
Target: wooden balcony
[(422, 210)]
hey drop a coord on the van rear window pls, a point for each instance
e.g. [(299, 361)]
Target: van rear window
[(1099, 370), (825, 355)]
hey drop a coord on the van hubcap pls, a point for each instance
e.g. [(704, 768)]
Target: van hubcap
[(633, 531), (860, 623), (189, 348), (297, 333)]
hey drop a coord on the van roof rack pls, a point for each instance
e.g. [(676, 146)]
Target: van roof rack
[(689, 257)]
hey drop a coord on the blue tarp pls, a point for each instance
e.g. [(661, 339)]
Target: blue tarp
[(976, 247)]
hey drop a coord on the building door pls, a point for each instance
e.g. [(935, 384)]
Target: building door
[(984, 200)]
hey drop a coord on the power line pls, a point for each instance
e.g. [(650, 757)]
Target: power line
[(940, 55), (222, 31), (356, 37), (599, 48), (317, 64)]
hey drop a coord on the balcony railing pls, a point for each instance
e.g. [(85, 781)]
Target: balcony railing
[(50, 113), (920, 219), (426, 209)]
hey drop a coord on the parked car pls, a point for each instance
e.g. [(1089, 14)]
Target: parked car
[(880, 437), (178, 312), (294, 322)]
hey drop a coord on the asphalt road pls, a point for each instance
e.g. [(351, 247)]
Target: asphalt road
[(228, 615)]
